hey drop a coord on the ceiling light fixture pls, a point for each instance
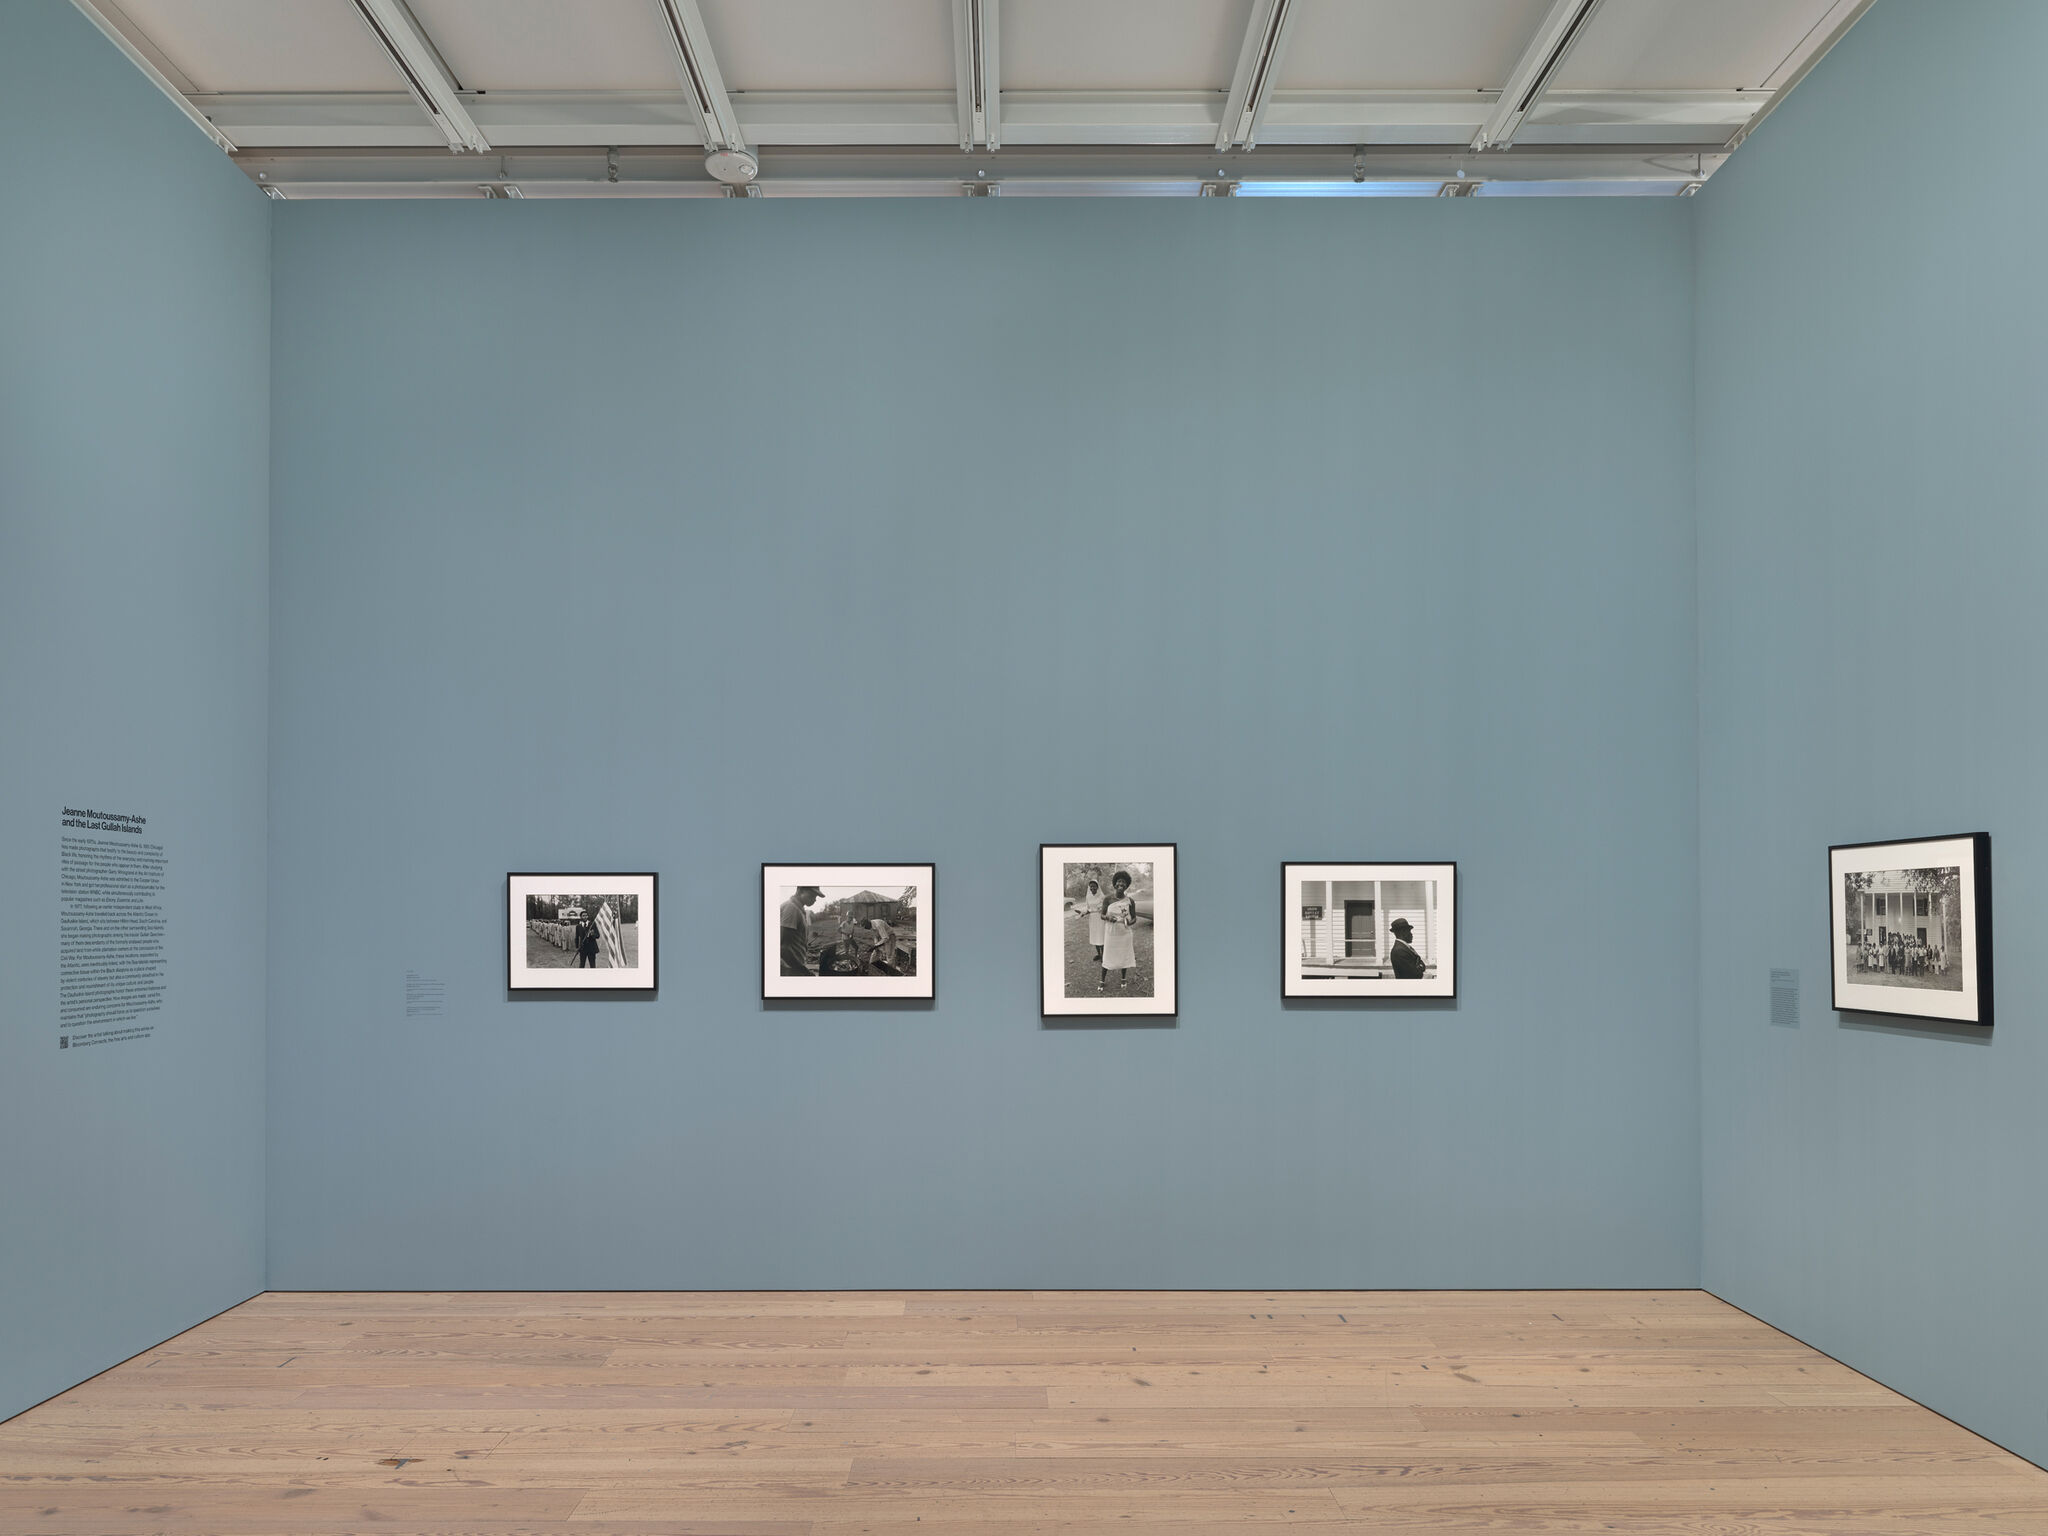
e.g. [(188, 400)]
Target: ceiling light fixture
[(726, 156)]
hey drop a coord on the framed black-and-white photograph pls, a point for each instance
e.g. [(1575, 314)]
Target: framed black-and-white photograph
[(1108, 924), (1909, 927), (579, 933), (848, 930), (1369, 930)]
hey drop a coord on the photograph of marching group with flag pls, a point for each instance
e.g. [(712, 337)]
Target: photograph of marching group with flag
[(580, 933)]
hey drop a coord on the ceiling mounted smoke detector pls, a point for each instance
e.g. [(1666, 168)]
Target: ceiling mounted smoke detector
[(734, 167)]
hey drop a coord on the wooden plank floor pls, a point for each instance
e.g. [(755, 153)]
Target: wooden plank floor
[(827, 1414)]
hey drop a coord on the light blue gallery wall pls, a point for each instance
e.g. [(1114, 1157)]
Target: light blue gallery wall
[(682, 536), (1873, 371), (134, 405)]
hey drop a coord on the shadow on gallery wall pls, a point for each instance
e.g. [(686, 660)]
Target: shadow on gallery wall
[(576, 995), (1111, 1021), (1925, 1029), (1369, 1004), (847, 1004)]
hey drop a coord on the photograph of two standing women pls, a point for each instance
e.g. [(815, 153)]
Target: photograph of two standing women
[(1109, 930)]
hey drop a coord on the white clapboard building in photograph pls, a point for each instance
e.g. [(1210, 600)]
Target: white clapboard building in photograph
[(1895, 905), (1345, 923)]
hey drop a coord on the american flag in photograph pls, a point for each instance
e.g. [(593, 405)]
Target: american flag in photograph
[(608, 942)]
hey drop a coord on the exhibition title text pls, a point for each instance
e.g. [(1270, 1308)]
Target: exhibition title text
[(103, 821)]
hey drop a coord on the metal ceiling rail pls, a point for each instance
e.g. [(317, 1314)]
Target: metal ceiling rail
[(1837, 22), (1258, 71), (728, 157), (978, 73), (877, 142), (143, 56), (426, 73), (903, 170), (361, 120), (1562, 26)]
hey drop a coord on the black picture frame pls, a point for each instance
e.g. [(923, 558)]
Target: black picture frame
[(582, 985), (927, 937), (1975, 971), (1390, 993), (1045, 939)]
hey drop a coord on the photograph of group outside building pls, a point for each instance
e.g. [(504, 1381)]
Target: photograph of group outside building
[(580, 932), (1379, 930), (1910, 927), (860, 930), (1905, 927)]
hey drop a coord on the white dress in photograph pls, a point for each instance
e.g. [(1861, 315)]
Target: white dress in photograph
[(1120, 941), (1092, 902)]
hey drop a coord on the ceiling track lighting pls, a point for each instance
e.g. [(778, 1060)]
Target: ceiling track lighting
[(1561, 29), (883, 142), (1258, 67), (726, 155), (426, 73), (977, 72)]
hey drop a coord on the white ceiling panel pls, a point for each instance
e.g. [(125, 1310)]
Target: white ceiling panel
[(832, 45), (266, 45), (1689, 44), (551, 45), (1121, 45), (1398, 45), (1104, 89)]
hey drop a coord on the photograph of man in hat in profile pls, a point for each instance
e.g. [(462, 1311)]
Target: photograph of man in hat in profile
[(796, 931), (1407, 963), (1369, 930)]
